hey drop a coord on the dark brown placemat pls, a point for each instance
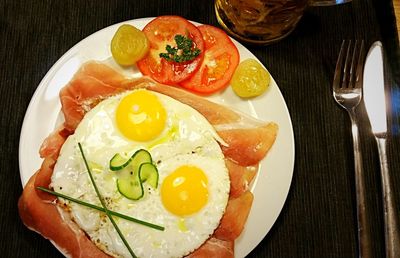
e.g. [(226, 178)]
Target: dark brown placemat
[(318, 219)]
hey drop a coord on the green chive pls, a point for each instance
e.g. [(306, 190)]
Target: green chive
[(116, 214), (104, 205)]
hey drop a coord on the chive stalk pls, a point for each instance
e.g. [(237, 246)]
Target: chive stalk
[(116, 214), (104, 204)]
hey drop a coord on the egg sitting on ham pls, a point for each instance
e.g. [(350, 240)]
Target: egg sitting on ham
[(190, 139), (193, 185)]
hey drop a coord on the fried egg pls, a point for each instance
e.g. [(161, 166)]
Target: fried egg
[(193, 185)]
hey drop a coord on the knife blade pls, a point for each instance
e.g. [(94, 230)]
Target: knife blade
[(374, 89), (375, 104)]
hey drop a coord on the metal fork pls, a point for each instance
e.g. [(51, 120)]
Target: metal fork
[(347, 91)]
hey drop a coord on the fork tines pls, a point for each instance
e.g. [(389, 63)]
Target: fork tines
[(349, 60)]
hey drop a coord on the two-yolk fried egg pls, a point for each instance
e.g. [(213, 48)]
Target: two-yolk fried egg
[(193, 185)]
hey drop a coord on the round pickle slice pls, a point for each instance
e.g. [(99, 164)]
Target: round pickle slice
[(250, 79), (129, 45)]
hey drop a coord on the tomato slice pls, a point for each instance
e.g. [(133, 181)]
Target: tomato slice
[(160, 33), (221, 58)]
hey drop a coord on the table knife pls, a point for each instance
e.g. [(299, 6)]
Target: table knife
[(375, 104)]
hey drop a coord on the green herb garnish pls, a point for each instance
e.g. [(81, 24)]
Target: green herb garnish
[(116, 214), (104, 204), (183, 52)]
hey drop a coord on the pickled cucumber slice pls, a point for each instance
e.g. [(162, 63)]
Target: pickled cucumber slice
[(250, 79), (129, 45)]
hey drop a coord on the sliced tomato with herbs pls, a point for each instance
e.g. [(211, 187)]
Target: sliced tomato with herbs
[(221, 58), (161, 32)]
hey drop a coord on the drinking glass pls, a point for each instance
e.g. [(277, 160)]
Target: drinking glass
[(263, 21)]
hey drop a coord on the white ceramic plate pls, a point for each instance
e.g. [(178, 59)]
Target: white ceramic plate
[(270, 187)]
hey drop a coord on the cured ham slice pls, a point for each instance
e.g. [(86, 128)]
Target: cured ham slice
[(44, 217), (39, 211), (91, 84), (235, 216), (240, 177), (248, 139), (52, 144), (247, 146), (248, 142), (214, 247)]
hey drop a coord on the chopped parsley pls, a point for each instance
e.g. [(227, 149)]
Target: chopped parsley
[(183, 52)]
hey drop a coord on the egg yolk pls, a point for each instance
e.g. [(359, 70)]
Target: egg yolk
[(140, 116), (184, 191)]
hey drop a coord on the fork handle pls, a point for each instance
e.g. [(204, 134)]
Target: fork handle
[(364, 238), (392, 237)]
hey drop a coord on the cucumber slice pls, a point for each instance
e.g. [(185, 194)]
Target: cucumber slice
[(129, 183), (130, 186), (148, 173), (138, 158), (118, 162)]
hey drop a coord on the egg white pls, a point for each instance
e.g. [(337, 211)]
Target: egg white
[(188, 138)]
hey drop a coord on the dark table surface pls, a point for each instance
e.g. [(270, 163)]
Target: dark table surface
[(318, 219)]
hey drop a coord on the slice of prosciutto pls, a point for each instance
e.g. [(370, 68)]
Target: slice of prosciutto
[(248, 141), (214, 247), (90, 85)]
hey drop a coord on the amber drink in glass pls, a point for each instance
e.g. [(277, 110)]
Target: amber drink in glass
[(259, 21)]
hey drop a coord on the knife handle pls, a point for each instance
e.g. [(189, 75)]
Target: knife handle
[(392, 237), (364, 236)]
